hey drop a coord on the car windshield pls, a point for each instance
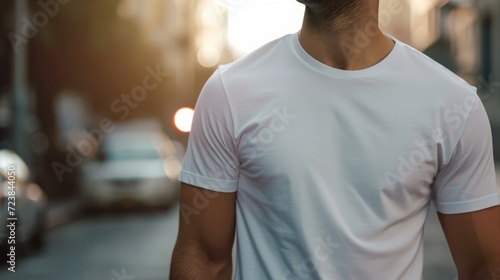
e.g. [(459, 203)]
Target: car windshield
[(121, 154), (128, 149)]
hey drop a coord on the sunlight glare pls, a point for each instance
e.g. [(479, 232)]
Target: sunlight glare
[(252, 24)]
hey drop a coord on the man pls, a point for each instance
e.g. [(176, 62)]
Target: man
[(324, 150)]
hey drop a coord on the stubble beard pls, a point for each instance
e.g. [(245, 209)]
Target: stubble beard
[(342, 16)]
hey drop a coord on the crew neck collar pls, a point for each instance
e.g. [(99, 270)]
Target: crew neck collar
[(390, 59)]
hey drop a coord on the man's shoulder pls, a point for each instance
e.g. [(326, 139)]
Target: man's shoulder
[(425, 67), (254, 69), (260, 59)]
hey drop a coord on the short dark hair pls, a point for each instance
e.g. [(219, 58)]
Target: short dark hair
[(322, 14)]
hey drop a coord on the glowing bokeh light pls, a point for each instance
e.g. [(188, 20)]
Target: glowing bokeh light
[(183, 119), (208, 57)]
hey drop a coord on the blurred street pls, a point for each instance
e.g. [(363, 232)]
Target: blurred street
[(124, 246), (109, 246)]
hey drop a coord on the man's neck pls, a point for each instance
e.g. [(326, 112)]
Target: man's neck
[(343, 49)]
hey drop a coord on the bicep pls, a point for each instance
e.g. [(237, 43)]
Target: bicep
[(207, 220), (473, 238)]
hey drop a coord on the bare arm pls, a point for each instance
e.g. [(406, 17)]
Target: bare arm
[(474, 240), (206, 235)]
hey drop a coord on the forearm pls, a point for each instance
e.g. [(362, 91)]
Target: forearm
[(190, 263)]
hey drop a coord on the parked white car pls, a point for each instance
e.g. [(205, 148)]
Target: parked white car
[(133, 168), (22, 199)]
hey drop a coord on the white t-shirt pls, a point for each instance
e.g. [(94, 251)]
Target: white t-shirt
[(335, 170)]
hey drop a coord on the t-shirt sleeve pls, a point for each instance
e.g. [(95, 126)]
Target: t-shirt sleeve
[(211, 161), (467, 182)]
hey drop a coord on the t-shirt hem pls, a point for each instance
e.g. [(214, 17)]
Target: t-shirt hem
[(468, 206), (218, 185)]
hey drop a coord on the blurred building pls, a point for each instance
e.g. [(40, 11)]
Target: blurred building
[(191, 34), (488, 25), (488, 46), (414, 22)]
